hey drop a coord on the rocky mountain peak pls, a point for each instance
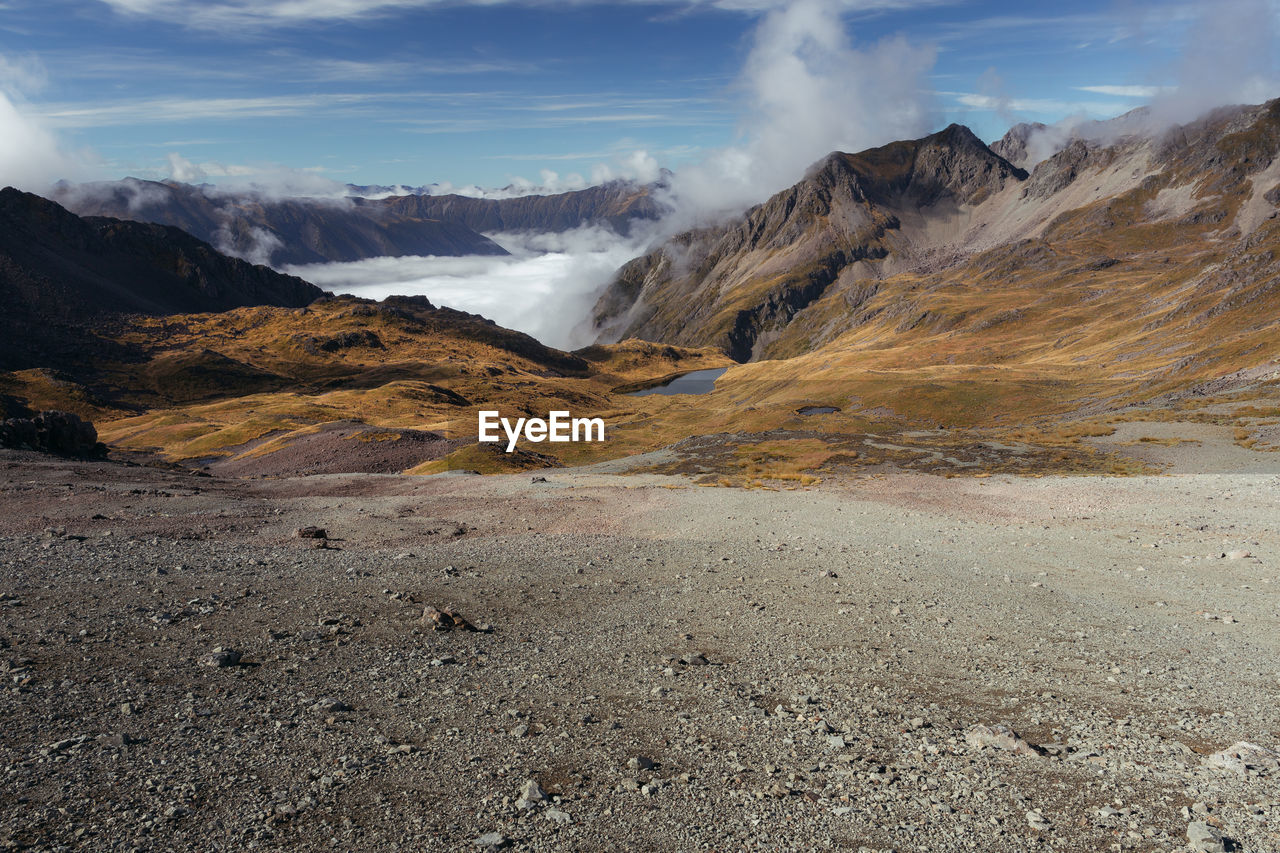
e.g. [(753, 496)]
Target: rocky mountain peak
[(952, 164)]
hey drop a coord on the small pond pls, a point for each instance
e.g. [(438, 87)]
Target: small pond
[(697, 382)]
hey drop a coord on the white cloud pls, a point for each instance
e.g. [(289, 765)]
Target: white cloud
[(1005, 105), (180, 110), (267, 180), (233, 15), (1230, 57), (808, 92), (545, 288), (22, 75), (32, 157), (1126, 91)]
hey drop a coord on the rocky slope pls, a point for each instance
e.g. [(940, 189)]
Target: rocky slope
[(1156, 248), (736, 286), (279, 231), (63, 276)]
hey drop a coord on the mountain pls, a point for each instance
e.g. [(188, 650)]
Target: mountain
[(1014, 145), (278, 231), (735, 286), (617, 204), (936, 282), (288, 231), (62, 275)]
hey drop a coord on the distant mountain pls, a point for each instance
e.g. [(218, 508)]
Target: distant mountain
[(61, 275), (288, 231), (1013, 145), (278, 231), (617, 204)]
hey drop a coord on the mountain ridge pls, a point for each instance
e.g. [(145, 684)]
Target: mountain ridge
[(745, 280), (61, 274)]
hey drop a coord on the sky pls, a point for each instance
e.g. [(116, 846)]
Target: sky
[(563, 93)]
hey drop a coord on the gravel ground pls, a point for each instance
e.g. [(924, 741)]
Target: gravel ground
[(672, 667)]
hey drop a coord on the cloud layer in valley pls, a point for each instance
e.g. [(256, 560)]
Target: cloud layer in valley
[(545, 288)]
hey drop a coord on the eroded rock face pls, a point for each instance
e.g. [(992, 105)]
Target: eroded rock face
[(60, 433)]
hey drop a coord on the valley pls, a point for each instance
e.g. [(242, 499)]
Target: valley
[(936, 511)]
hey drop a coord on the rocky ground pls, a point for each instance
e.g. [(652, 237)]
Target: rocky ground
[(656, 666)]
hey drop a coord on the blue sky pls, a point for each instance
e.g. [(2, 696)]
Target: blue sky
[(415, 91)]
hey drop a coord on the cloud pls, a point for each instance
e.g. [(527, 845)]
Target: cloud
[(1006, 107), (32, 157), (1126, 91), (22, 75), (238, 15), (269, 181), (807, 92), (180, 110), (545, 288), (1230, 57)]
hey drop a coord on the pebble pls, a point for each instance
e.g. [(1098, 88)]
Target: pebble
[(491, 841), (531, 794), (221, 657)]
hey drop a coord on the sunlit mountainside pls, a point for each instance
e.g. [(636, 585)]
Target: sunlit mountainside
[(922, 285)]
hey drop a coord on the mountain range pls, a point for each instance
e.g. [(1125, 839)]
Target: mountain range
[(1156, 250), (937, 282), (295, 231)]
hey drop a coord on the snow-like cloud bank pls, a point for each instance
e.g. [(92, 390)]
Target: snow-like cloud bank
[(545, 288)]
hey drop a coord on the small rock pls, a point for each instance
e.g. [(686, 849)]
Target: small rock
[(1206, 839), (1037, 821), (998, 737), (639, 762), (491, 841), (328, 705), (311, 533), (557, 816), (1244, 758), (221, 657), (530, 795), (447, 620)]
